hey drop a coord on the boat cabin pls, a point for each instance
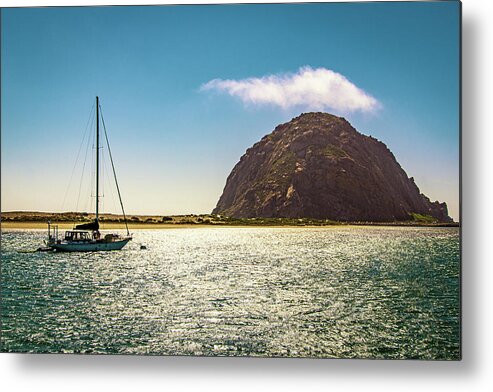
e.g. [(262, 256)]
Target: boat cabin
[(78, 235)]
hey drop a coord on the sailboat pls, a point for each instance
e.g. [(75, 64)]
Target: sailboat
[(86, 237)]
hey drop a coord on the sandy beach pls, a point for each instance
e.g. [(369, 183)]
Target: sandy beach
[(105, 226)]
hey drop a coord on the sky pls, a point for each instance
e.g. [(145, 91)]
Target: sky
[(185, 90)]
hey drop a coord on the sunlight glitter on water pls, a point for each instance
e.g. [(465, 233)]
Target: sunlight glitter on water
[(367, 292)]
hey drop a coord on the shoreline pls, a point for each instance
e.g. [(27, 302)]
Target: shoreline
[(165, 226), (67, 220)]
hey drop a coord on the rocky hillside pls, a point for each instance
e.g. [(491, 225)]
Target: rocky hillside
[(318, 166)]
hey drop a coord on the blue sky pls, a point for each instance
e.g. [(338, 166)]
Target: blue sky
[(174, 142)]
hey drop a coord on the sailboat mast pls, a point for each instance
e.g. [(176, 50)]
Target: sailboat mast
[(97, 159)]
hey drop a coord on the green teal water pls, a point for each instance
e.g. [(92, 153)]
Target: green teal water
[(363, 292)]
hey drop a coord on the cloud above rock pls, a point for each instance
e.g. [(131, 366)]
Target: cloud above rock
[(309, 88)]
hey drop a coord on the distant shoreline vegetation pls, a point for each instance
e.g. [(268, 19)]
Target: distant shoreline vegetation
[(207, 219)]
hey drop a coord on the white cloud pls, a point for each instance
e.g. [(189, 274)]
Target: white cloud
[(309, 88)]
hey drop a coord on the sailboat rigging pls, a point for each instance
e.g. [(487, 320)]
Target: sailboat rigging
[(86, 237)]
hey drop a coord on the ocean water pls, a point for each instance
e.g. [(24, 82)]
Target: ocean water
[(361, 292)]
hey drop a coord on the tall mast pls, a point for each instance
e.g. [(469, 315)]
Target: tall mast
[(97, 159)]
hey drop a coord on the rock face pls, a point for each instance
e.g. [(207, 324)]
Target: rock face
[(318, 166)]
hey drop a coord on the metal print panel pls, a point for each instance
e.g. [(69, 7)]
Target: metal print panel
[(269, 180)]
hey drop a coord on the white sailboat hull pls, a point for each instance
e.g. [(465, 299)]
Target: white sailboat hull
[(90, 246)]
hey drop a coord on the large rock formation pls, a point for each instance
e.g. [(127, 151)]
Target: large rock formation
[(318, 166)]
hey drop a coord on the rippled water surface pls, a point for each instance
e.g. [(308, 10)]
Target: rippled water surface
[(368, 292)]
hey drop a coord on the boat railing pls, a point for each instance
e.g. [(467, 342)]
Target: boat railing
[(52, 233)]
